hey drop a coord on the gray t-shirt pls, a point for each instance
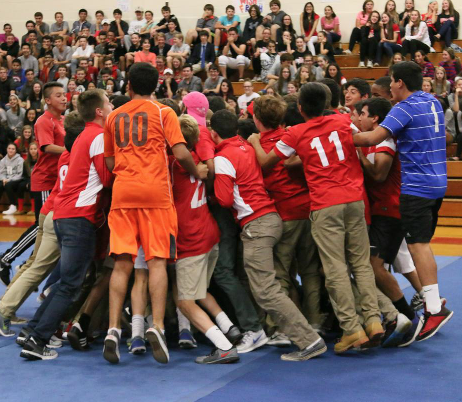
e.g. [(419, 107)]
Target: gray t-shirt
[(209, 84), (65, 55), (182, 49), (55, 27), (194, 85), (30, 62)]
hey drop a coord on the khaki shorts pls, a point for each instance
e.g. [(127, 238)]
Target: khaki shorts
[(193, 274)]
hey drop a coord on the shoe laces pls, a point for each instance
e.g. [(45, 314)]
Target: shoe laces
[(247, 336)]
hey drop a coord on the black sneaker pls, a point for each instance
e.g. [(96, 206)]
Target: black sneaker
[(234, 335), (433, 322), (23, 335), (77, 338), (36, 350), (219, 356), (5, 273)]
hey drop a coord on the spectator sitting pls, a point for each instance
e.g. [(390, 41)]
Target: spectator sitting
[(234, 54), (60, 27), (80, 23), (222, 26), (428, 69), (63, 77), (309, 21), (248, 96), (190, 81), (15, 115), (226, 89), (333, 71), (324, 47), (286, 60), (8, 29), (177, 68), (447, 23), (11, 167), (100, 49), (27, 60), (134, 27), (255, 19), (361, 20), (449, 64), (207, 23), (35, 99), (91, 73), (300, 51), (62, 53), (30, 26), (119, 27), (169, 86), (99, 25), (162, 47), (179, 49), (134, 48), (304, 75), (104, 75), (49, 69), (172, 32), (203, 54), (330, 23), (9, 50), (24, 184), (260, 47), (272, 20), (213, 82), (115, 50), (84, 51), (27, 88), (41, 27), (23, 142), (167, 16), (287, 43), (6, 87), (145, 56), (148, 26), (268, 59), (80, 78), (17, 75)]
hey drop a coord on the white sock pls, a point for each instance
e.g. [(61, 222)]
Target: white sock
[(223, 322), (432, 298), (183, 322), (218, 338), (138, 326), (118, 330)]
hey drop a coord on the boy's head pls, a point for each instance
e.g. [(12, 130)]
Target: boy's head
[(16, 65), (381, 88), (204, 36), (334, 91), (230, 11), (269, 111), (405, 77), (209, 9), (197, 106), (93, 104), (190, 130), (142, 79), (30, 75), (216, 103), (286, 60), (73, 125), (292, 116), (80, 74), (224, 125), (373, 112), (356, 89), (328, 96), (25, 49), (165, 10), (312, 100), (62, 70), (106, 74), (246, 127)]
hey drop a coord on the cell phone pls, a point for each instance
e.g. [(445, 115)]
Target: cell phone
[(109, 88)]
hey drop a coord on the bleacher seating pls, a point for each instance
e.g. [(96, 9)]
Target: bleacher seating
[(451, 211)]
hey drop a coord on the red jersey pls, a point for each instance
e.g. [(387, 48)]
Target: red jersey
[(239, 181), (86, 177), (63, 166), (48, 130), (197, 229), (286, 187), (205, 148), (384, 197), (332, 169)]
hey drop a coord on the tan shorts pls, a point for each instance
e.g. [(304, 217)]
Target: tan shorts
[(193, 274)]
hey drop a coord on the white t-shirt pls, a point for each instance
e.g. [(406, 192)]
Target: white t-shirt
[(244, 99), (135, 26)]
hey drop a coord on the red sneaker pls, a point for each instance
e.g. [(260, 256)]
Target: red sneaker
[(433, 322)]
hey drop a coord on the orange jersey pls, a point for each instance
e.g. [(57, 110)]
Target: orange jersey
[(137, 134)]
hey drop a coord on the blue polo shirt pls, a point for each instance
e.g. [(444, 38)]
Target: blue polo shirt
[(418, 125)]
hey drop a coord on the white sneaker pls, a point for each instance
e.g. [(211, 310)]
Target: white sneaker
[(348, 51), (11, 210), (361, 64), (279, 339), (376, 65), (369, 64), (251, 341), (54, 342)]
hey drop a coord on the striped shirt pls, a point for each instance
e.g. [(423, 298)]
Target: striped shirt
[(418, 124), (450, 68)]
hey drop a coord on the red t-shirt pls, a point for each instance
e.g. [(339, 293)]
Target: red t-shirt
[(48, 130), (310, 26), (205, 148), (81, 195), (332, 169), (63, 166), (286, 187), (384, 197), (197, 229), (395, 29), (239, 181)]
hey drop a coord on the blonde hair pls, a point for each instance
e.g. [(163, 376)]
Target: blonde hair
[(190, 130), (179, 36)]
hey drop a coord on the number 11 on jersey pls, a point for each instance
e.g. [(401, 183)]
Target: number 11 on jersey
[(333, 137)]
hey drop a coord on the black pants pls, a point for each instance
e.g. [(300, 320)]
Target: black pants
[(11, 189), (256, 64), (368, 48), (354, 38), (411, 46)]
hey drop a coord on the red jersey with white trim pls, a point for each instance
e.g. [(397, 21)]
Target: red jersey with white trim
[(332, 169), (286, 187), (86, 177), (239, 181), (63, 166), (384, 196), (197, 229), (205, 148), (48, 131)]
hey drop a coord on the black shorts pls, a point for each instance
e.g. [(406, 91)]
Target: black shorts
[(385, 236), (419, 217)]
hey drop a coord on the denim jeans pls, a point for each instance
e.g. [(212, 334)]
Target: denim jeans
[(388, 48), (447, 31), (76, 237)]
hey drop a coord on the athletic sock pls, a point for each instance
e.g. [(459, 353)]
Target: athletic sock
[(432, 298), (422, 293), (138, 326), (223, 322), (84, 322), (403, 307), (218, 338), (183, 322), (118, 330)]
